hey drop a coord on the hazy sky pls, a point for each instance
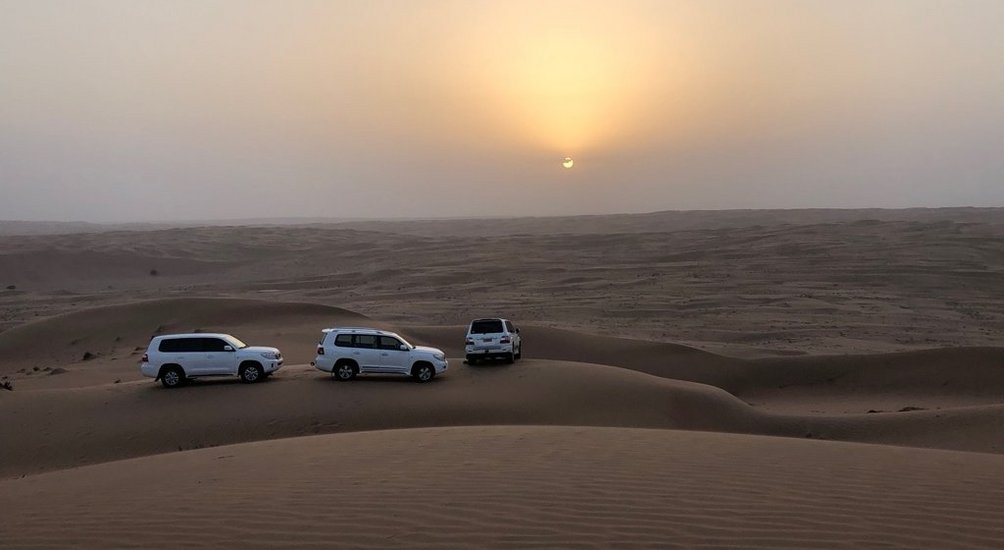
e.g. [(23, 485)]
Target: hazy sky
[(141, 110)]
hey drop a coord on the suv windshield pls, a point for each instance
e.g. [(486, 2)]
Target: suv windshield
[(486, 326), (237, 344)]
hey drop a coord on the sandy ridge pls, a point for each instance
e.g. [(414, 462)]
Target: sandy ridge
[(523, 486)]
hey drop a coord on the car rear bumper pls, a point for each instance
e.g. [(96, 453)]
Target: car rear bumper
[(149, 370), (496, 349), (323, 364), (494, 354)]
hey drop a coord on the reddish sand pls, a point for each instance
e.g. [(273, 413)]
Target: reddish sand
[(662, 362)]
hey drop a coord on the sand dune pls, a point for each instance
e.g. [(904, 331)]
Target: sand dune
[(519, 487), (563, 381), (64, 428), (931, 379), (811, 326)]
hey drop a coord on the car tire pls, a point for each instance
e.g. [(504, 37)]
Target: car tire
[(172, 377), (471, 360), (423, 372), (519, 352), (510, 358), (251, 373), (344, 371)]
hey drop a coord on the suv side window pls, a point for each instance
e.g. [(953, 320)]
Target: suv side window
[(368, 341), (343, 340), (180, 345), (389, 342), (508, 326), (212, 344)]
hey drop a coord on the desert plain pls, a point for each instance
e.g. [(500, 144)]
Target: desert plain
[(791, 378)]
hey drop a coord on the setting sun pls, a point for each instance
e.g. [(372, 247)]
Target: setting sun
[(568, 162)]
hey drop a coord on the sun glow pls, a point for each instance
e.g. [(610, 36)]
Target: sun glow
[(569, 86), (568, 162)]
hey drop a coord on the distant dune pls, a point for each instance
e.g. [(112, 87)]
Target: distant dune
[(667, 220), (753, 291)]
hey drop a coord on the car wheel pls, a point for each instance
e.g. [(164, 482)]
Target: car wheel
[(471, 360), (519, 352), (172, 377), (251, 373), (344, 372), (423, 372)]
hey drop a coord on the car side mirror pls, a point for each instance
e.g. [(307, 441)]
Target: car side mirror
[(517, 331), (404, 347), (228, 348)]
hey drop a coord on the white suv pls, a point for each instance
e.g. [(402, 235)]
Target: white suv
[(348, 351), (175, 358), (493, 339)]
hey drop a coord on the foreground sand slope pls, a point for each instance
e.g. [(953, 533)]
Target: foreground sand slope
[(71, 427), (519, 487)]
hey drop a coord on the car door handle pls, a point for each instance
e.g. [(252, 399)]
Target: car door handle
[(385, 354)]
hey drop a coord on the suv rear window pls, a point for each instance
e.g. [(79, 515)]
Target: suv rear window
[(486, 326)]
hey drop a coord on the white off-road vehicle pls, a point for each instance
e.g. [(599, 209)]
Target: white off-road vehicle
[(493, 338), (175, 358), (348, 351)]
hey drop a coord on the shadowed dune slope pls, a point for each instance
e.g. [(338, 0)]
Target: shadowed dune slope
[(965, 376), (81, 417), (658, 358), (527, 486), (69, 427)]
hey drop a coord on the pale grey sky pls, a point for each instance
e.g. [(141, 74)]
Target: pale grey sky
[(132, 110)]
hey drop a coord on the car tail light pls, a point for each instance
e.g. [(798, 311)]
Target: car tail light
[(146, 358), (504, 340), (320, 350)]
